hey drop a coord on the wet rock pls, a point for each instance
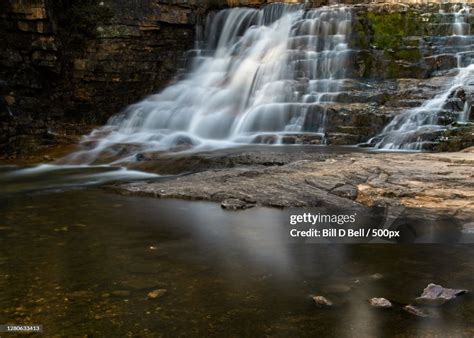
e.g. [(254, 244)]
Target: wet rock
[(322, 301), (306, 179), (436, 295), (235, 204), (380, 302), (467, 228), (415, 311), (120, 293), (456, 100), (342, 138), (156, 293), (265, 139), (346, 191), (441, 62), (456, 138)]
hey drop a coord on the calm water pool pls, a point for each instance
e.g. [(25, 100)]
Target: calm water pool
[(81, 261)]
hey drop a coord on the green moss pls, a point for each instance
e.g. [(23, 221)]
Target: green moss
[(359, 38), (393, 70), (389, 29), (457, 138), (408, 54)]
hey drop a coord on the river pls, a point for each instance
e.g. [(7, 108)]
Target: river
[(80, 261)]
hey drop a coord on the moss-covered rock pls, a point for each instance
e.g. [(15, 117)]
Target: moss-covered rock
[(456, 138)]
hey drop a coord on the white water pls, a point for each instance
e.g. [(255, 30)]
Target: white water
[(60, 177), (262, 72), (407, 130)]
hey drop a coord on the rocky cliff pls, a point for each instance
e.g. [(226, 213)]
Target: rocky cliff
[(68, 65)]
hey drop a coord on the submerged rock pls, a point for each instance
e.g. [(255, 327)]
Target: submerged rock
[(156, 293), (380, 302), (415, 311), (120, 293), (436, 295), (322, 301)]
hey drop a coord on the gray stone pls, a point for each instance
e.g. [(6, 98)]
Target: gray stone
[(322, 301), (436, 295), (415, 311), (380, 302), (235, 204), (346, 191)]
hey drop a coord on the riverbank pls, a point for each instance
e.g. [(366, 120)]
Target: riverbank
[(281, 179)]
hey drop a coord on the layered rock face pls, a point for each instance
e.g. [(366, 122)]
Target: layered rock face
[(67, 65)]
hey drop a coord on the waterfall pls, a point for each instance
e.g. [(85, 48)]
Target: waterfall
[(260, 75), (414, 128)]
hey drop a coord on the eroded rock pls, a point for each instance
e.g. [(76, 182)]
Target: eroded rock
[(434, 181), (235, 204), (436, 295), (156, 293), (380, 302), (415, 311), (322, 301)]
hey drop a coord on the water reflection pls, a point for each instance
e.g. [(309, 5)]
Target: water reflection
[(82, 262)]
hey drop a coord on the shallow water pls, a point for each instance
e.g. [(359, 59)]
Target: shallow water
[(64, 254)]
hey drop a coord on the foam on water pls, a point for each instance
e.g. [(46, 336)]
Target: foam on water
[(52, 176)]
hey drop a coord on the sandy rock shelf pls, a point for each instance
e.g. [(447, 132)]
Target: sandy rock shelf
[(352, 180)]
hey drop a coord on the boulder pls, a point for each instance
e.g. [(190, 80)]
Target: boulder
[(235, 204), (436, 295), (156, 293), (322, 301), (380, 302)]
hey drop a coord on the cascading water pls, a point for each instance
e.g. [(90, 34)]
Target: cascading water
[(410, 130), (262, 75)]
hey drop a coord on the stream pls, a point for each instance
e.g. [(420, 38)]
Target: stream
[(80, 261)]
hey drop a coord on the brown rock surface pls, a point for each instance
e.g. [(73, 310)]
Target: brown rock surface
[(433, 181)]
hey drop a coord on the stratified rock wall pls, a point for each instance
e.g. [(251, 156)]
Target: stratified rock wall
[(68, 64), (65, 64)]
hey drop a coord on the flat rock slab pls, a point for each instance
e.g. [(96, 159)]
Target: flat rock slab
[(347, 180), (235, 204), (436, 295)]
